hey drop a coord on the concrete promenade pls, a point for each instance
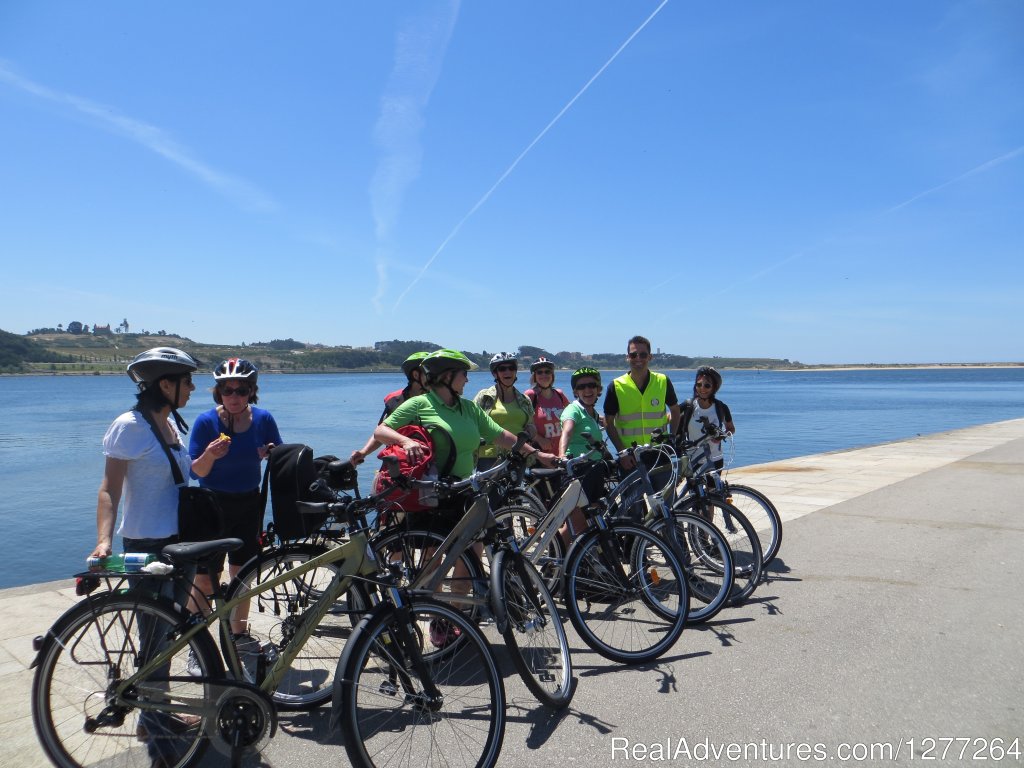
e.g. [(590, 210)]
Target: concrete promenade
[(893, 616)]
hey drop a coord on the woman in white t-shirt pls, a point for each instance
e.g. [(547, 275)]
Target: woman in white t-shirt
[(137, 469), (704, 404)]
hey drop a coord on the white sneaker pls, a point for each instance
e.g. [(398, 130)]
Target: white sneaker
[(192, 665)]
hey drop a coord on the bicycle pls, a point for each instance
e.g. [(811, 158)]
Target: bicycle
[(516, 596), (114, 682), (743, 538), (755, 506), (706, 555), (623, 586)]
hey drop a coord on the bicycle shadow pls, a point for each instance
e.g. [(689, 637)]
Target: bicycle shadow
[(544, 721)]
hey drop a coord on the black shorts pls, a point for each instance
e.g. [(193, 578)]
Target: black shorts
[(243, 519)]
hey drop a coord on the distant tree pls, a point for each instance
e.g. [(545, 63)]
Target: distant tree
[(533, 352), (60, 327), (74, 327), (124, 325), (85, 329)]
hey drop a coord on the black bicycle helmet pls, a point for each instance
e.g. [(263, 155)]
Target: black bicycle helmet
[(154, 364), (236, 368), (579, 373), (711, 373)]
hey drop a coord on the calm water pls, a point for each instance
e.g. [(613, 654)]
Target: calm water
[(51, 428)]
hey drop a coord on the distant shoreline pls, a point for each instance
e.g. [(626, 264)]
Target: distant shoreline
[(804, 369)]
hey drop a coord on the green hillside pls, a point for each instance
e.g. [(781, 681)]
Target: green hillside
[(61, 352)]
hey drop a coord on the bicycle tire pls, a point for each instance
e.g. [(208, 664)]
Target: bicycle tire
[(413, 547), (275, 614), (90, 650), (523, 521), (534, 635), (633, 622), (707, 560), (521, 497), (382, 727), (743, 541), (762, 514)]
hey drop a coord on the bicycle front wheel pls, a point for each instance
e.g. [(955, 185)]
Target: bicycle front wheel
[(276, 613), (90, 651), (534, 634), (626, 593), (388, 718)]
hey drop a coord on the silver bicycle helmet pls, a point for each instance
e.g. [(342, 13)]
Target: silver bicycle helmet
[(501, 358), (156, 363)]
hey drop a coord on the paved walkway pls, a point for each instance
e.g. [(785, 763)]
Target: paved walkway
[(893, 614)]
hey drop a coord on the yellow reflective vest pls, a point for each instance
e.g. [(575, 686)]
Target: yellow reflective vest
[(640, 413)]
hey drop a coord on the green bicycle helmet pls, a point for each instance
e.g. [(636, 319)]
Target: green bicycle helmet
[(442, 360), (412, 362), (579, 373)]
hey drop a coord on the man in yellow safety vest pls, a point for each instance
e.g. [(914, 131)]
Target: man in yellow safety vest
[(639, 402)]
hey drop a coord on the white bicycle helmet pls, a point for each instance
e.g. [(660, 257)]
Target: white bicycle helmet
[(541, 362)]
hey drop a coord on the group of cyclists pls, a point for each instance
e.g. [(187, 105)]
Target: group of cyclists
[(148, 464)]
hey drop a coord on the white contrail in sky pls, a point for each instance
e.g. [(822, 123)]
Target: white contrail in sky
[(974, 171), (523, 154), (419, 52), (986, 166), (149, 136)]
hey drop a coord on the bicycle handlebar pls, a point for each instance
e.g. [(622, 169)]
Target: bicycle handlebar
[(443, 486)]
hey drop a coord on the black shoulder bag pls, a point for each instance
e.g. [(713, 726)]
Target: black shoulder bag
[(200, 517)]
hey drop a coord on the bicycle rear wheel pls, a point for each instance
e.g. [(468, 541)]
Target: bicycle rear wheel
[(707, 560), (534, 635), (276, 613), (91, 650), (626, 593), (741, 536), (387, 716), (762, 514), (523, 521), (413, 548)]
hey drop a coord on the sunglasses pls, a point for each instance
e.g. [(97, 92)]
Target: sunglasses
[(506, 368), (545, 372), (242, 391), (703, 385), (588, 385), (641, 355)]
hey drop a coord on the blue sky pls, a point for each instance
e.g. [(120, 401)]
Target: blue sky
[(819, 181)]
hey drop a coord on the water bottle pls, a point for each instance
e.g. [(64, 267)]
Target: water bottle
[(112, 563), (136, 561), (129, 562)]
